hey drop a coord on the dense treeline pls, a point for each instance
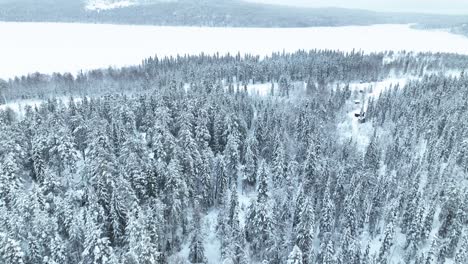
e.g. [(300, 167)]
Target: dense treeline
[(324, 67), (428, 149), (136, 178)]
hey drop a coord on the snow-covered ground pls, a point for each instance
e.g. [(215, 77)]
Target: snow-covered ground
[(262, 89), (68, 47), (19, 106), (212, 243), (350, 126), (361, 93), (97, 5)]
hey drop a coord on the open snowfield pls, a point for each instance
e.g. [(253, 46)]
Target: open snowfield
[(96, 5), (19, 106), (63, 47)]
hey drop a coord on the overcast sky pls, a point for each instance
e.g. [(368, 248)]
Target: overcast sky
[(424, 6)]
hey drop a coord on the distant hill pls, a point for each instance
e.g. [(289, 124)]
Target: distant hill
[(227, 13)]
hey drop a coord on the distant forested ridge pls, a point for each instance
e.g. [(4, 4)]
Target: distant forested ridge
[(224, 13), (176, 161)]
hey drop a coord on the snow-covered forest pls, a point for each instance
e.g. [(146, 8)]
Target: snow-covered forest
[(306, 157)]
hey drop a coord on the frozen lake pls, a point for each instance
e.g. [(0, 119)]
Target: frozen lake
[(62, 47)]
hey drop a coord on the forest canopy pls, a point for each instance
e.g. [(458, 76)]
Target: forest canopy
[(178, 161)]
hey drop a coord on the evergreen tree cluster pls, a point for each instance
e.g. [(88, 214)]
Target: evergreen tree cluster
[(121, 178), (322, 67)]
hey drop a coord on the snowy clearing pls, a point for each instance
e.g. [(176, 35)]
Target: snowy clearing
[(68, 47), (211, 242), (19, 106), (350, 127)]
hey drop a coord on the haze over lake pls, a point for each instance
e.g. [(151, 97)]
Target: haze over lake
[(62, 47)]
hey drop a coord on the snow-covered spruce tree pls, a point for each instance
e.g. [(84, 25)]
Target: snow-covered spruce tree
[(140, 247), (175, 199), (204, 182), (295, 257), (250, 170), (121, 201), (347, 252), (162, 142), (97, 247), (233, 216), (188, 151), (372, 156), (311, 168), (63, 153), (387, 244), (221, 180), (462, 254), (431, 256), (134, 161), (284, 86), (101, 169), (231, 155), (414, 234), (218, 138), (279, 164), (327, 219), (328, 257), (197, 250), (10, 250), (10, 181), (58, 250), (304, 231), (39, 150), (427, 222), (231, 233), (311, 88), (410, 213), (260, 223), (202, 134), (448, 248)]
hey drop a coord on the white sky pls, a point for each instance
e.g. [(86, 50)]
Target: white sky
[(423, 6)]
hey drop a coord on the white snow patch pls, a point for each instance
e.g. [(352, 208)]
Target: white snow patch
[(212, 243), (71, 47), (97, 5), (19, 106), (245, 200), (373, 90), (262, 89)]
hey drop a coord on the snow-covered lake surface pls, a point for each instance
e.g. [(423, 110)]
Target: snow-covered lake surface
[(64, 47), (97, 5)]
